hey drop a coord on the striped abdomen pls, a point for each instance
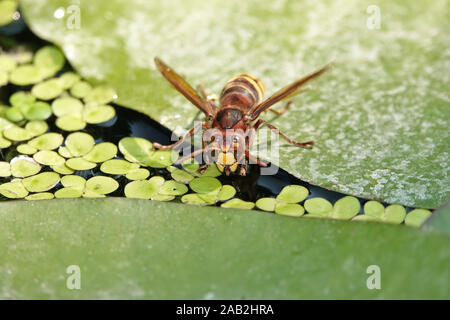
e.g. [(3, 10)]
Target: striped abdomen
[(243, 91)]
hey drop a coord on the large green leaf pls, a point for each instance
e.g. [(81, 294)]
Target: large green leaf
[(146, 249), (380, 119)]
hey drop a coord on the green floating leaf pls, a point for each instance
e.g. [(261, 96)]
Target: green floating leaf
[(196, 199), (394, 214), (289, 209), (117, 166), (318, 206), (346, 208), (66, 193), (162, 158), (48, 158), (211, 171), (47, 90), (136, 149), (70, 123), (7, 64), (63, 151), (13, 190), (238, 204), (92, 194), (293, 194), (416, 217), (14, 114), (5, 169), (101, 152), (22, 99), (138, 174), (25, 75), (7, 10), (41, 182), (163, 197), (38, 111), (98, 114), (24, 166), (80, 164), (16, 133), (40, 196), (226, 192), (62, 169), (181, 176), (364, 217), (144, 189), (205, 185), (190, 165), (80, 89), (49, 60), (79, 143), (36, 127), (73, 181), (101, 95), (101, 185), (47, 141), (173, 188), (4, 143), (374, 209), (67, 106), (266, 204), (68, 79), (3, 78)]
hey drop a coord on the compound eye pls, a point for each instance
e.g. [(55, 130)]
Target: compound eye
[(236, 139)]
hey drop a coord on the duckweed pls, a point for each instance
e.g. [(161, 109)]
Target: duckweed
[(77, 105)]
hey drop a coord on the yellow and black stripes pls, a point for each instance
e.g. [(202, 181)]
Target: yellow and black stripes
[(243, 90)]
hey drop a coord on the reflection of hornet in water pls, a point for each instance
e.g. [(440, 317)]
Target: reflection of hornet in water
[(228, 132)]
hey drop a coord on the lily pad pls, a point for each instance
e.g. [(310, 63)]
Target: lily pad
[(7, 64), (47, 90), (416, 217), (16, 133), (205, 185), (40, 196), (144, 189), (173, 188), (238, 204), (36, 127), (80, 164), (394, 213), (62, 169), (79, 143), (162, 158), (266, 204), (47, 141), (80, 89), (136, 149), (49, 60), (319, 206), (13, 190), (292, 194), (41, 182), (67, 106), (181, 175), (374, 209), (101, 152), (226, 192), (117, 166), (101, 95), (101, 185), (25, 75), (73, 181), (24, 166), (289, 209), (48, 158), (67, 193), (362, 128), (7, 9), (68, 79), (346, 208), (138, 174), (5, 169), (98, 114), (70, 123), (38, 111)]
